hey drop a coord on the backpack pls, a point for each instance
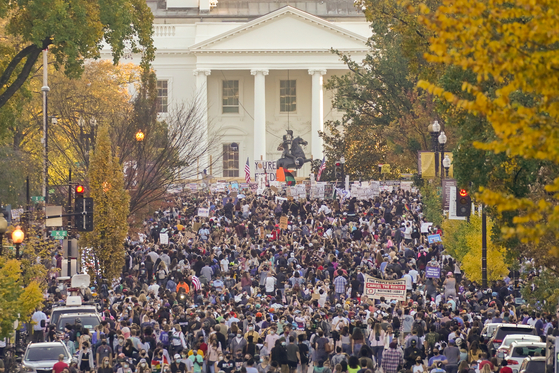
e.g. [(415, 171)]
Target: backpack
[(431, 338), (164, 338), (418, 325)]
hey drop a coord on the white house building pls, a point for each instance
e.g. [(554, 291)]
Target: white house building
[(258, 68)]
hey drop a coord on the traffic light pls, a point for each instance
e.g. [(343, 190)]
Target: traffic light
[(79, 191), (84, 207), (463, 203), (338, 170)]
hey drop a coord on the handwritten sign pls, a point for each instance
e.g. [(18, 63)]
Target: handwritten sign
[(283, 222), (203, 212), (376, 288)]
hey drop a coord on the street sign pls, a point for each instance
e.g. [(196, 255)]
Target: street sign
[(55, 212), (59, 235), (37, 199)]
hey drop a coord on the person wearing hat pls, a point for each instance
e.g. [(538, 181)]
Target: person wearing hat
[(412, 353), (178, 366), (143, 367), (392, 359)]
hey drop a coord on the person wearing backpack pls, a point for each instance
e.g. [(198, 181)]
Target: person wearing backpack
[(420, 325), (431, 338), (177, 340)]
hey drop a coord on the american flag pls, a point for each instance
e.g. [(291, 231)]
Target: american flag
[(321, 168), (196, 283), (247, 172)]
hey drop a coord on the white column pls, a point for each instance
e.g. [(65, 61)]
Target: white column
[(259, 113), (317, 112), (202, 97)]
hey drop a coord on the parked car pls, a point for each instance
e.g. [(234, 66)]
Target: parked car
[(507, 329), (504, 347), (534, 364), (488, 330), (41, 357), (519, 351)]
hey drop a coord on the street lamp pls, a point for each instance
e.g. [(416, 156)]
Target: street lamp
[(17, 239), (442, 142), (434, 130), (3, 229), (140, 136), (446, 164)]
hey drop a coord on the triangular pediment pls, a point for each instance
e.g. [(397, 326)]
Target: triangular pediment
[(286, 29)]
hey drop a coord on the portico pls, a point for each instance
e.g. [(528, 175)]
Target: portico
[(267, 76)]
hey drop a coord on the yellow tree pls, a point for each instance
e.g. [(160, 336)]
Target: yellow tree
[(16, 300), (110, 211), (469, 240), (511, 47)]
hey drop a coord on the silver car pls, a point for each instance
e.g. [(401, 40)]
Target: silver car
[(41, 357)]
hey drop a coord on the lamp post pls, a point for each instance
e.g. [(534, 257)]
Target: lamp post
[(442, 142), (446, 164), (3, 229), (17, 239), (435, 129), (140, 136)]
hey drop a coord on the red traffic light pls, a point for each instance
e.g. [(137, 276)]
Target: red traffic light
[(463, 193), (338, 164), (80, 189)]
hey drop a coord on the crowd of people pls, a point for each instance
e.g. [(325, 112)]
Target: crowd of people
[(235, 292)]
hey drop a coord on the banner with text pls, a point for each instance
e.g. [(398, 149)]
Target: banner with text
[(376, 288)]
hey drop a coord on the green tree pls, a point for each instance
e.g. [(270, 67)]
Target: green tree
[(17, 300), (380, 103), (432, 203), (111, 206), (73, 31)]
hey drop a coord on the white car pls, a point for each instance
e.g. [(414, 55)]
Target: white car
[(504, 348), (41, 357), (518, 351)]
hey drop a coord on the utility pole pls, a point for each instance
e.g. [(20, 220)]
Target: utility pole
[(45, 89), (483, 247)]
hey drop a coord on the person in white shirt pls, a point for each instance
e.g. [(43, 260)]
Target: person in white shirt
[(270, 284), (409, 281), (414, 274), (224, 265), (39, 322)]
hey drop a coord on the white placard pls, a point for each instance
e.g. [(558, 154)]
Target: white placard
[(425, 227), (163, 238), (204, 212)]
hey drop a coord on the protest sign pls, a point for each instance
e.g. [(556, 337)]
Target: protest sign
[(376, 288), (283, 222), (203, 212), (433, 238), (432, 272)]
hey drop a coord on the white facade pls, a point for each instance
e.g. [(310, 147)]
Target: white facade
[(253, 57)]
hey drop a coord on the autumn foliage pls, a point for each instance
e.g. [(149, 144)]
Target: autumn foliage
[(510, 47)]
